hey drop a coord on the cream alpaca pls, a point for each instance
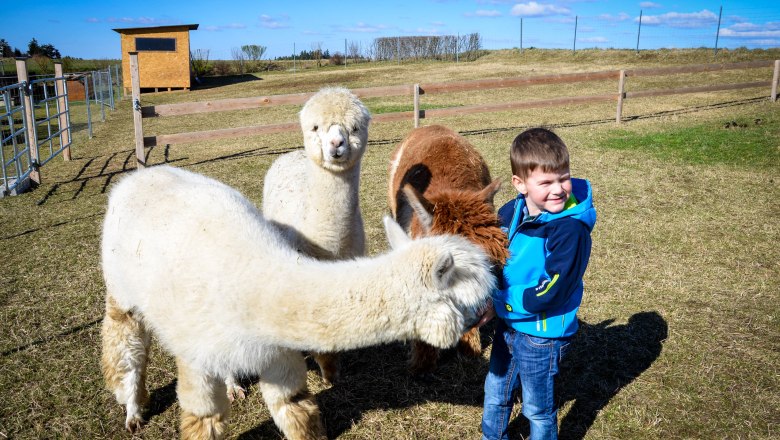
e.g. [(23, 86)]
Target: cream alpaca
[(312, 195), (193, 262)]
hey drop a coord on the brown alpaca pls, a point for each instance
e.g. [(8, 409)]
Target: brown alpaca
[(439, 183)]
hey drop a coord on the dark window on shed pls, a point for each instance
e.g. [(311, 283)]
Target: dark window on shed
[(156, 44)]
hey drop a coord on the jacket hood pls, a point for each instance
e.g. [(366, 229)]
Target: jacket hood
[(584, 211)]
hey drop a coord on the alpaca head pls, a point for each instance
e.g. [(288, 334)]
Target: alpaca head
[(452, 281), (335, 128), (470, 214)]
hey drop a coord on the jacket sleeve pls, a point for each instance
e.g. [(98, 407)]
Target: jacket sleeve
[(568, 251)]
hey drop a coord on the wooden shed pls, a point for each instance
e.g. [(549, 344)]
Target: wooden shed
[(163, 56)]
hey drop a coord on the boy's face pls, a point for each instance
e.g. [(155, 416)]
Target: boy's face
[(544, 191)]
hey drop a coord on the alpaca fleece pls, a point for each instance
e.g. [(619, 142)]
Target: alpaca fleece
[(193, 262)]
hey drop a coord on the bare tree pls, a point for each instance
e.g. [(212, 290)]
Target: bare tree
[(200, 62), (253, 53), (240, 58), (316, 51), (353, 51)]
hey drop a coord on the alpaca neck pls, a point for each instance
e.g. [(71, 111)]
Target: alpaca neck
[(333, 199), (335, 306)]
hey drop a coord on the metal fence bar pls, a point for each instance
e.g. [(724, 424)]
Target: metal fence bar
[(89, 113), (62, 132), (20, 160)]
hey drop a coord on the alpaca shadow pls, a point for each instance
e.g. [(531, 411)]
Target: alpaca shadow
[(601, 361), (378, 378), (160, 400)]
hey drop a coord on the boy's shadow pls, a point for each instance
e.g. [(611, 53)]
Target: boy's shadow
[(602, 360)]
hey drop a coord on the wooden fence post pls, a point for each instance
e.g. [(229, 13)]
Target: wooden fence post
[(137, 118), (29, 113), (62, 104), (416, 105), (621, 95), (775, 78)]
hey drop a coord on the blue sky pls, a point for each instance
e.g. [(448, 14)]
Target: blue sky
[(84, 29)]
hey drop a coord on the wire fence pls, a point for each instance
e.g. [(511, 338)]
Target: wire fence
[(36, 120)]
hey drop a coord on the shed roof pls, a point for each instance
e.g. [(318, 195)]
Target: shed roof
[(190, 27)]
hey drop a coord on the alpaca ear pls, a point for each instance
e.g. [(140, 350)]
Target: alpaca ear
[(396, 235), (490, 191), (443, 270), (421, 206)]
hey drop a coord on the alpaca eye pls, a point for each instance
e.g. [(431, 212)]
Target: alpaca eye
[(355, 129), (315, 128)]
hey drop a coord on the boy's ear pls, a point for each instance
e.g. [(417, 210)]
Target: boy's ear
[(519, 185)]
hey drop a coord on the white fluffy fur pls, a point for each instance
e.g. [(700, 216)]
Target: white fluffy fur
[(313, 194), (196, 264)]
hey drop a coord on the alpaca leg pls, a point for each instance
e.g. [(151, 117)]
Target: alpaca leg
[(204, 404), (292, 407), (470, 344), (234, 389), (424, 358), (329, 366), (123, 361)]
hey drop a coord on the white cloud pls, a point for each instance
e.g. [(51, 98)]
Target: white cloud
[(649, 5), (699, 19), (593, 40), (620, 17), (484, 13), (269, 22), (731, 33), (364, 28), (220, 28), (533, 9)]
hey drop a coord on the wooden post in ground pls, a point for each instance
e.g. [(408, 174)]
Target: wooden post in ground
[(621, 95), (62, 105), (416, 105), (775, 78), (29, 114), (137, 118)]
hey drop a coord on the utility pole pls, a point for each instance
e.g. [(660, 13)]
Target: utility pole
[(521, 34), (639, 32), (717, 33), (575, 34)]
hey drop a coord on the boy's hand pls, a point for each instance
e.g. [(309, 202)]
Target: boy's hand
[(488, 313)]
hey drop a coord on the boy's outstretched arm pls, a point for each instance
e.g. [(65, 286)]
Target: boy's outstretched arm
[(568, 244)]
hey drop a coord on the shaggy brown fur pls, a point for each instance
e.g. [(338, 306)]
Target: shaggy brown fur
[(438, 170)]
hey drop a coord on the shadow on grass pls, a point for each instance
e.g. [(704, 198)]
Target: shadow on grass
[(210, 82), (160, 400), (603, 359)]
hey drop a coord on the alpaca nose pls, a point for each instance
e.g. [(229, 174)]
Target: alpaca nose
[(337, 145)]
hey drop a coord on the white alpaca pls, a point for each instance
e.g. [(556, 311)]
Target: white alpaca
[(312, 195), (193, 262)]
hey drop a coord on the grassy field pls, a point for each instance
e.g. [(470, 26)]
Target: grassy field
[(680, 329)]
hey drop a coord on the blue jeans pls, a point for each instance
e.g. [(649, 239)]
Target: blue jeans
[(528, 361)]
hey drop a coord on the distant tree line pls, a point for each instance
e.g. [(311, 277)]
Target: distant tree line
[(436, 47), (443, 47), (33, 49)]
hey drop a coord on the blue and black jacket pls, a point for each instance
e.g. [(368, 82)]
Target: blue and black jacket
[(541, 288)]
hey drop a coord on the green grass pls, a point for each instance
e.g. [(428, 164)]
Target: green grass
[(744, 141), (679, 338)]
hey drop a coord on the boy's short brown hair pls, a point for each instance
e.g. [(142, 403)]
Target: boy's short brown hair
[(538, 148)]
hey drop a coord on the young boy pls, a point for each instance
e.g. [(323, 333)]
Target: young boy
[(540, 290)]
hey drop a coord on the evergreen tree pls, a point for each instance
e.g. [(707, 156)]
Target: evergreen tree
[(5, 49), (33, 48)]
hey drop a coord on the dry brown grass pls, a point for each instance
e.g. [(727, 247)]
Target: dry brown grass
[(680, 329)]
